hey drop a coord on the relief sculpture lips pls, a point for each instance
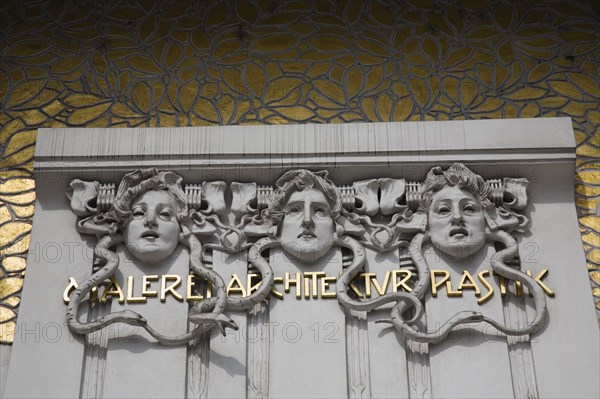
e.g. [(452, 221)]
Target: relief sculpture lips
[(306, 234), (150, 234), (459, 231)]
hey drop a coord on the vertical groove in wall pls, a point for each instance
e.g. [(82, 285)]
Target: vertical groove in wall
[(357, 354), (258, 352)]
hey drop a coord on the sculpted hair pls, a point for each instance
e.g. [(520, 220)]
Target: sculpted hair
[(138, 182), (299, 180), (457, 175)]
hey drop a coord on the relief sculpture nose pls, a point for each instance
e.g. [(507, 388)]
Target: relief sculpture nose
[(307, 220), (457, 216), (150, 219)]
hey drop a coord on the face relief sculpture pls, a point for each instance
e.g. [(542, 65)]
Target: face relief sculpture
[(307, 227), (152, 234), (456, 222)]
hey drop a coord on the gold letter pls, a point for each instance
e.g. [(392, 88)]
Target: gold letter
[(72, 286), (401, 283), (190, 289), (539, 277), (325, 281), (171, 288), (287, 281), (487, 285), (113, 291), (382, 289), (249, 287), (434, 284), (130, 297), (146, 281), (239, 289), (470, 285), (274, 291), (315, 281), (368, 277)]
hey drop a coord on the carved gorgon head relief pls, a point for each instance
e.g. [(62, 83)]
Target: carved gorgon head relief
[(304, 207), (149, 207), (455, 201)]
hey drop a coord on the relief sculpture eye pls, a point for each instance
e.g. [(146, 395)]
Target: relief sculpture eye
[(293, 210)]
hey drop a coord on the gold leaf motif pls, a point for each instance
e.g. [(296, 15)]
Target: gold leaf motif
[(296, 114), (12, 301), (530, 110), (144, 64), (592, 176), (85, 115), (591, 239), (354, 81), (329, 43), (566, 89), (16, 186), (255, 79), (19, 141), (575, 109), (5, 314), (10, 286), (206, 110), (330, 90), (18, 158), (29, 48), (11, 231), (539, 72), (594, 256), (586, 83), (23, 212), (173, 55), (382, 13), (7, 332), (527, 94), (217, 14), (506, 52), (5, 215), (9, 129), (503, 15), (246, 11), (81, 100)]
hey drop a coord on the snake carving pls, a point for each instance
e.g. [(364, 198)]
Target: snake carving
[(304, 217), (153, 221)]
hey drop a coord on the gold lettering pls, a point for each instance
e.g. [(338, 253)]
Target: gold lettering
[(382, 289), (368, 277), (502, 281), (251, 288), (519, 288), (487, 285), (539, 278), (146, 281), (287, 281), (171, 288), (471, 284), (130, 297), (401, 283), (190, 289), (356, 290), (314, 278), (325, 281), (113, 291), (67, 292), (434, 283), (277, 294), (231, 288)]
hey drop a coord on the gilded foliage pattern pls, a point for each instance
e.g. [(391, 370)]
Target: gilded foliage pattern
[(125, 63)]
